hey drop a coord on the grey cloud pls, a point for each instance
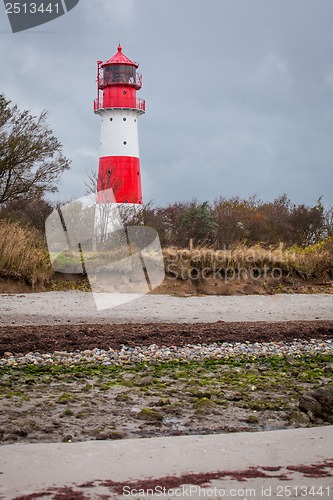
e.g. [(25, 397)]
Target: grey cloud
[(239, 94)]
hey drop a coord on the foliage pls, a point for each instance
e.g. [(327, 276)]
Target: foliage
[(31, 159), (197, 219), (227, 223), (27, 212)]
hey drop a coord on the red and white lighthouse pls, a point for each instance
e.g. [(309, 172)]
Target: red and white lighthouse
[(119, 108)]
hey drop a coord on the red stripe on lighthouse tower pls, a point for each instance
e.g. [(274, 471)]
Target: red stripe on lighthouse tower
[(119, 108), (126, 183)]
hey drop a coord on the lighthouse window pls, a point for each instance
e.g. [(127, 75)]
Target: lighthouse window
[(111, 119), (118, 74), (125, 142), (135, 119), (124, 119), (124, 92)]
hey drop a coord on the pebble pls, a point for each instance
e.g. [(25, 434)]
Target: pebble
[(155, 353)]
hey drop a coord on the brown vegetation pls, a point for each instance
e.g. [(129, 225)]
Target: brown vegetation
[(237, 246), (23, 254), (229, 222)]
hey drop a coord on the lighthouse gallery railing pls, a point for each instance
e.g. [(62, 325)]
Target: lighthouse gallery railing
[(140, 104)]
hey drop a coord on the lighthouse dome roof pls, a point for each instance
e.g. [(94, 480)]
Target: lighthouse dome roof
[(120, 58)]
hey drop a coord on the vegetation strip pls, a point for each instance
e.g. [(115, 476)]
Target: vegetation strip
[(274, 268)]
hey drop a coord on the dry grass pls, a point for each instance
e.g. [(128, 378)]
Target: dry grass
[(313, 262), (23, 254)]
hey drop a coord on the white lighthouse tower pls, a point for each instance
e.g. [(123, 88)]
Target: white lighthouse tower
[(119, 109)]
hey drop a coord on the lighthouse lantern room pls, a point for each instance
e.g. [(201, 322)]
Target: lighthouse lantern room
[(119, 108)]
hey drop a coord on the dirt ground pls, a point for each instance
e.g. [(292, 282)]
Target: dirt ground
[(181, 288), (242, 286), (48, 338)]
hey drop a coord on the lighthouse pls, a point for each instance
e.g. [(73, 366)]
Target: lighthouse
[(119, 109)]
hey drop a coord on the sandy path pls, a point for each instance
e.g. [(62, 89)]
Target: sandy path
[(79, 307), (272, 455)]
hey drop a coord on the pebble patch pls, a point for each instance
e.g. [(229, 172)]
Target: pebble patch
[(155, 353)]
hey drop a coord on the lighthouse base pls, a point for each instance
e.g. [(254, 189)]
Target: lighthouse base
[(122, 175)]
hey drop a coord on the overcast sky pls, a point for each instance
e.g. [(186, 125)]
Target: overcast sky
[(238, 92)]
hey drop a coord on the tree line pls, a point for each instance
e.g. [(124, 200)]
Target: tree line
[(226, 223), (223, 223)]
